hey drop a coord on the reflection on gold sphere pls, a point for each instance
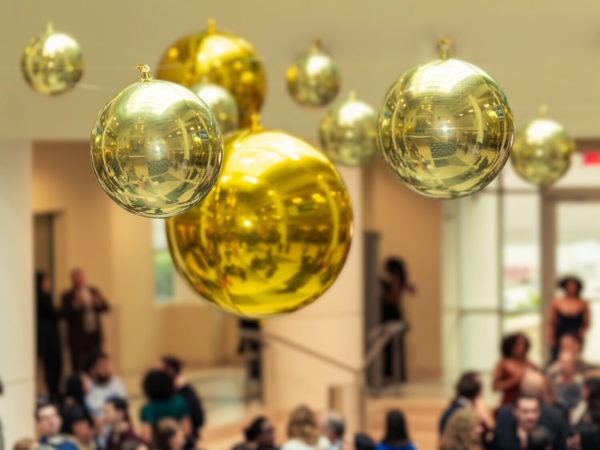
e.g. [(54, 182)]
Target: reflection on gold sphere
[(156, 148), (445, 128), (542, 151), (349, 132), (273, 234), (314, 79), (220, 58), (52, 63), (221, 103)]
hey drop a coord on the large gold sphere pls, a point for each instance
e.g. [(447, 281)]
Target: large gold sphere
[(313, 80), (156, 148), (52, 63), (349, 132), (221, 103), (542, 151), (220, 58), (272, 235), (445, 128)]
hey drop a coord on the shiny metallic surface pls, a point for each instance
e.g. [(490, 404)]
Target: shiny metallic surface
[(542, 151), (156, 148), (52, 63), (349, 132), (446, 129), (220, 58), (272, 235), (313, 80), (221, 103)]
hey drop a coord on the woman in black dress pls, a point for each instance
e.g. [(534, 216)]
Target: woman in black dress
[(48, 339)]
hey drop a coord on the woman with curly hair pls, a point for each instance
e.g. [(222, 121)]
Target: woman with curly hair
[(303, 431), (463, 431)]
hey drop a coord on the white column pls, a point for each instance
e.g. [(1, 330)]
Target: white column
[(17, 334)]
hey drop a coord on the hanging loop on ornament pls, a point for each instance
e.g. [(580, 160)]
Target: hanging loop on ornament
[(316, 47), (352, 95), (444, 47), (255, 118), (49, 27), (542, 111), (145, 72), (211, 26)]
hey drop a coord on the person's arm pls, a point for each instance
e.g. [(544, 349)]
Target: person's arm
[(503, 384), (186, 425), (100, 304), (551, 328), (146, 434), (586, 321), (196, 410)]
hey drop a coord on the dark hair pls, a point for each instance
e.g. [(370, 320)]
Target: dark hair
[(563, 283), (41, 406), (120, 404), (396, 267), (255, 428), (363, 442), (527, 397), (337, 426), (468, 386), (158, 385), (538, 439), (75, 388), (93, 360), (164, 431), (510, 341), (396, 434), (173, 363)]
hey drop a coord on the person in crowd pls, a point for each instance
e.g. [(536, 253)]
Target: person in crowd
[(463, 431), (325, 417), (25, 444), (116, 416), (260, 435), (250, 348), (334, 431), (515, 421), (83, 431), (539, 439), (585, 437), (162, 402), (468, 395), (48, 424), (396, 433), (570, 342), (48, 338), (391, 308), (303, 432), (511, 369), (104, 384), (82, 307), (588, 410), (133, 444), (567, 383), (73, 405), (183, 388), (363, 442), (568, 314), (168, 435)]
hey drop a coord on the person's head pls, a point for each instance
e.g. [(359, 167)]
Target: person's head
[(567, 363), (77, 386), (82, 428), (335, 429), (168, 435), (78, 278), (302, 425), (43, 283), (469, 386), (25, 444), (158, 385), (396, 432), (116, 411), (463, 431), (261, 432), (535, 384), (171, 365), (395, 267), (527, 411), (515, 346), (363, 442), (48, 421), (539, 439), (98, 367), (572, 286), (570, 342)]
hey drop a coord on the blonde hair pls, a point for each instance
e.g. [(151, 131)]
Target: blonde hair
[(458, 434), (302, 425)]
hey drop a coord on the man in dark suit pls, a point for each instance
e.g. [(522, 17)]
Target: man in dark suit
[(81, 307)]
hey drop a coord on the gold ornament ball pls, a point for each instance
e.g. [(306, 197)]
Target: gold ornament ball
[(349, 132), (542, 151), (52, 63), (272, 235), (445, 128), (219, 58), (221, 103), (313, 80), (156, 148)]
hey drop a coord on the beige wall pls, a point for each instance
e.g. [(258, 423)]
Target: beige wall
[(410, 228), (114, 248)]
